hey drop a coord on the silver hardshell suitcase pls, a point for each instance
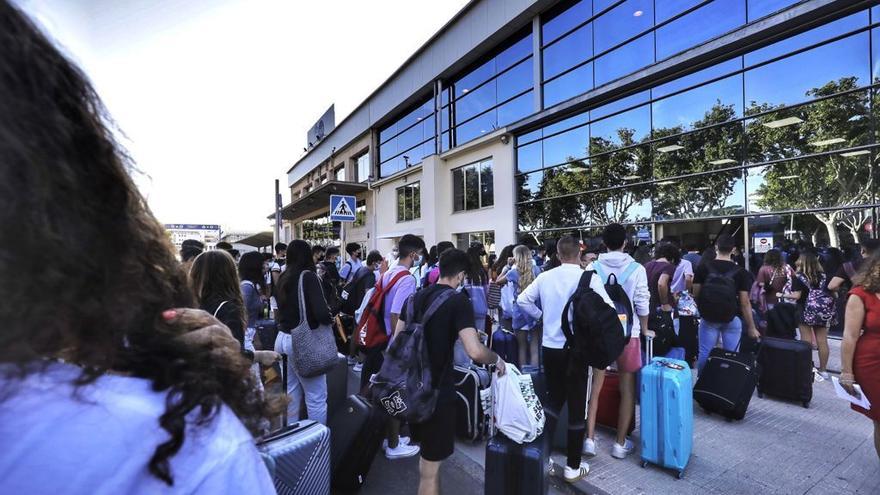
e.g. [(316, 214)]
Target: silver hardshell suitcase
[(298, 455)]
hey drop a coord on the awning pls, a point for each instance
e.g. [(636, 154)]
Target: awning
[(319, 199), (260, 240), (419, 231)]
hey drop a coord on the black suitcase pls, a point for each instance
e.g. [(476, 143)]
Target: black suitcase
[(782, 321), (267, 330), (727, 383), (786, 369), (337, 386), (469, 418), (357, 432), (513, 468)]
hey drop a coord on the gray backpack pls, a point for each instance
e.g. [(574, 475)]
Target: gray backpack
[(404, 386)]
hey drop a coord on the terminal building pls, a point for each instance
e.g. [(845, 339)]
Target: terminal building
[(525, 120)]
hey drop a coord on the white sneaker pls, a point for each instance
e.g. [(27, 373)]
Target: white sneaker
[(358, 367), (575, 475), (589, 447), (402, 451), (825, 375), (621, 451), (400, 441)]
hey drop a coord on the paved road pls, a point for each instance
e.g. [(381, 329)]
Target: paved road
[(779, 447)]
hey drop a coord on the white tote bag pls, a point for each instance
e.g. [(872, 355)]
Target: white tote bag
[(513, 416)]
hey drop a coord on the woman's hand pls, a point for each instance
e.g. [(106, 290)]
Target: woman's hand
[(202, 329), (266, 358), (848, 382)]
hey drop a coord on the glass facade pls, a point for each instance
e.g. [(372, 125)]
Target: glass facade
[(781, 139), (494, 93), (407, 140), (589, 43), (363, 167)]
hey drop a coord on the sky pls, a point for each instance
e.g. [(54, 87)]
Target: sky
[(213, 98)]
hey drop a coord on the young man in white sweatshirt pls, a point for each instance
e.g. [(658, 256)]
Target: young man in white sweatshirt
[(634, 280), (565, 383)]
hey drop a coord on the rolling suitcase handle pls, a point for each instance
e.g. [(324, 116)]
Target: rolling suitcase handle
[(649, 344), (284, 372)]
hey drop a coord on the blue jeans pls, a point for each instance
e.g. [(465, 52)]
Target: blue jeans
[(730, 333)]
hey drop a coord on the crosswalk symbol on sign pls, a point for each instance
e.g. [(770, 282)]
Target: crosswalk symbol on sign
[(342, 208)]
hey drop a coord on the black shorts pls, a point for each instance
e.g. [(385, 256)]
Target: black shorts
[(437, 435)]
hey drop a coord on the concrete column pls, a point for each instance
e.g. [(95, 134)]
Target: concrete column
[(431, 192)]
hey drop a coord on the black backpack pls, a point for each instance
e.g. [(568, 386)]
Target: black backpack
[(598, 337), (617, 294), (718, 300), (352, 294), (404, 386)]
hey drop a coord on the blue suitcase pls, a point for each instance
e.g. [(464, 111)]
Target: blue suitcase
[(513, 468), (667, 413), (505, 345)]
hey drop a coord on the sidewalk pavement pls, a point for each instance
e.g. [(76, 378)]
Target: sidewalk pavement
[(780, 447)]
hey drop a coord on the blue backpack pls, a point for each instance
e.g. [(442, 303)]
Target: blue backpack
[(404, 386)]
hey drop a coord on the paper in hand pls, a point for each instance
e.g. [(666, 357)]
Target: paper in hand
[(859, 400)]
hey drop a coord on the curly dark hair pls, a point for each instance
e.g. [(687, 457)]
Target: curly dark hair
[(869, 274), (65, 192)]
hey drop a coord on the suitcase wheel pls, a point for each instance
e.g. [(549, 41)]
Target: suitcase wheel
[(806, 404), (680, 475), (729, 420), (760, 395), (644, 464)]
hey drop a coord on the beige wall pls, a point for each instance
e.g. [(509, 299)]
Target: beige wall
[(438, 222)]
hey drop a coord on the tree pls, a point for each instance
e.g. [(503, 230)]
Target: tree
[(827, 181), (708, 149), (609, 168)]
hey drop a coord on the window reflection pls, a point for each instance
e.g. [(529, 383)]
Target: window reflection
[(623, 22), (700, 106), (811, 37), (571, 84), (622, 205), (826, 125), (792, 79), (571, 50), (668, 9), (528, 157), (516, 109), (703, 24), (817, 182), (562, 19), (761, 8), (711, 195), (567, 146), (625, 60), (713, 148), (623, 129)]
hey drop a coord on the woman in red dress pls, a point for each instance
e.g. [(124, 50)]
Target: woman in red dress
[(860, 352)]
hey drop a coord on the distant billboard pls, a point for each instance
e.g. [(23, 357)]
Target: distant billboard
[(205, 233), (322, 127)]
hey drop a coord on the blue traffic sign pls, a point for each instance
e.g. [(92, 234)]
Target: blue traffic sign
[(342, 208)]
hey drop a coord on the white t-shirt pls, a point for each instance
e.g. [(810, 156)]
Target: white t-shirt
[(101, 441), (552, 289)]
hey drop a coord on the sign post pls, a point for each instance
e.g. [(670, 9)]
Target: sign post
[(342, 209)]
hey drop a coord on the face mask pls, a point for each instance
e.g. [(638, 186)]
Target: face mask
[(417, 262)]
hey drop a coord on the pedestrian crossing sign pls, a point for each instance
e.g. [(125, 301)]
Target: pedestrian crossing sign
[(342, 208)]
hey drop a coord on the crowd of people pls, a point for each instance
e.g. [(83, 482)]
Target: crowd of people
[(111, 381)]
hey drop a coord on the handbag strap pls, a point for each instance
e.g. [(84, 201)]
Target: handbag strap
[(302, 299), (218, 308)]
